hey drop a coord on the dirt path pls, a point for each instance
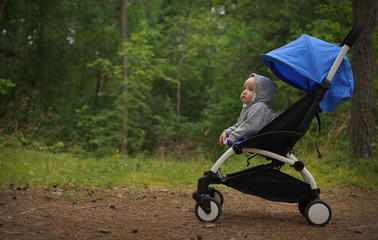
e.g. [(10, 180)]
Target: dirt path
[(167, 214)]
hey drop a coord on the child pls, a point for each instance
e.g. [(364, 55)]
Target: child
[(257, 94)]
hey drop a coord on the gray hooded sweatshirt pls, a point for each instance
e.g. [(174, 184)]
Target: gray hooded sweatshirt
[(256, 114)]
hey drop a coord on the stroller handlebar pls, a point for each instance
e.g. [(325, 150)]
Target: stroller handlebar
[(353, 35), (346, 45)]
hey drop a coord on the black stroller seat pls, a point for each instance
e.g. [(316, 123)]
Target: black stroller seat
[(281, 134)]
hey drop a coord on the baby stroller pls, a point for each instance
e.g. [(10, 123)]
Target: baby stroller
[(308, 64)]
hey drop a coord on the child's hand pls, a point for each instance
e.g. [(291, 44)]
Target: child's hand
[(222, 139)]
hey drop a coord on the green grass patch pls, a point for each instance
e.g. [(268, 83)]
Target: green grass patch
[(20, 166), (38, 168)]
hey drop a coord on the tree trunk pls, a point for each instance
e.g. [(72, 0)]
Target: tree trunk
[(362, 122), (181, 60), (2, 6), (97, 90), (124, 134)]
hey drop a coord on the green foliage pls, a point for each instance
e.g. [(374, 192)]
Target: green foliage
[(97, 131), (5, 85), (69, 51), (21, 125)]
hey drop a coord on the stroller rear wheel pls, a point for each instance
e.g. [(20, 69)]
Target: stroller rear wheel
[(217, 195), (214, 214), (318, 213)]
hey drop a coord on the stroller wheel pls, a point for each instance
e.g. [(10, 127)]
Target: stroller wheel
[(318, 213), (302, 206), (210, 217), (217, 195)]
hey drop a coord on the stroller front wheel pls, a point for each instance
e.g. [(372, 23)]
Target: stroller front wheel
[(302, 206), (318, 213), (214, 214)]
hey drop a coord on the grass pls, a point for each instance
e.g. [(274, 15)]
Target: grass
[(20, 166), (37, 168)]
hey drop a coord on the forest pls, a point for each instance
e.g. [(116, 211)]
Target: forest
[(157, 77)]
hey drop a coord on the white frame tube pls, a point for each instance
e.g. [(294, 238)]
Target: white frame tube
[(222, 160), (305, 173), (289, 159), (337, 62)]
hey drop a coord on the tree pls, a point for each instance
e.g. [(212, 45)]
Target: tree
[(74, 53), (362, 124), (181, 60), (124, 134), (2, 3)]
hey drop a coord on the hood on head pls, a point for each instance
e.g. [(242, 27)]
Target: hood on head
[(264, 90)]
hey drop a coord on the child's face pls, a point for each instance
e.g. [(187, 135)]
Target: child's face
[(248, 89)]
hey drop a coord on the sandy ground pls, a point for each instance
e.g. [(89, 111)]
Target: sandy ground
[(129, 213)]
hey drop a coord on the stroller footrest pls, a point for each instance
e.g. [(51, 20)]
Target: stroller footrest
[(270, 184)]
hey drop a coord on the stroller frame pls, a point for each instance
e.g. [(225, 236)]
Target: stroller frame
[(289, 159), (281, 138), (209, 200)]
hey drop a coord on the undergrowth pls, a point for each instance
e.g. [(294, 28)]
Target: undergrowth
[(42, 168)]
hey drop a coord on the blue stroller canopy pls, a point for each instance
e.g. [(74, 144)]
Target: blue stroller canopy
[(305, 62)]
